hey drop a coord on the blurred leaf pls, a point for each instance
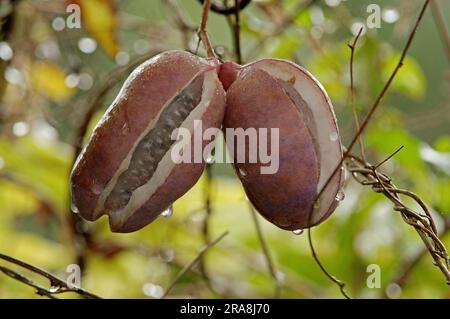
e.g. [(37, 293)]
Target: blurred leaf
[(49, 173), (387, 139), (442, 144), (49, 80), (48, 228), (330, 66), (100, 19), (286, 47), (410, 79), (303, 20)]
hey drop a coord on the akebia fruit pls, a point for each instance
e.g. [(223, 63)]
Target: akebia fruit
[(279, 94), (126, 170)]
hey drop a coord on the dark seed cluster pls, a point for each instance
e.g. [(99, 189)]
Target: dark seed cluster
[(154, 145)]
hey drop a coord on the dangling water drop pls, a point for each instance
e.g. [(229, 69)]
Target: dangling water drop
[(242, 172), (168, 212), (340, 196), (74, 208), (298, 232), (54, 289), (209, 159)]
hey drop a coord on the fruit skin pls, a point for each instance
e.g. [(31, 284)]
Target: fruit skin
[(140, 100), (266, 94), (256, 98)]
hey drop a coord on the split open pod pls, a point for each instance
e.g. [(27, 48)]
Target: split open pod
[(127, 169)]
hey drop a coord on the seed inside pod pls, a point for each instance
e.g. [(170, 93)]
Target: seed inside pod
[(152, 147)]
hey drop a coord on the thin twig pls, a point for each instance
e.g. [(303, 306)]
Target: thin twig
[(364, 124), (235, 27), (205, 226), (57, 285), (367, 175), (266, 252), (192, 263), (338, 282), (352, 90), (237, 32), (203, 35), (16, 276), (405, 268), (377, 102), (387, 158)]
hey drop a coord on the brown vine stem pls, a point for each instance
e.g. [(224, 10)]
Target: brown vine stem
[(366, 174), (203, 35), (407, 266), (266, 252), (352, 47), (338, 282), (205, 226), (58, 285), (235, 27), (237, 32), (192, 263), (387, 158), (441, 25), (361, 129), (378, 100)]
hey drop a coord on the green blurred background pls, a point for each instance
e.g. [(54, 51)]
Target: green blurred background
[(52, 74)]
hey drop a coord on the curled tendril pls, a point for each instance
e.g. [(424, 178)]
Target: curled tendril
[(227, 10)]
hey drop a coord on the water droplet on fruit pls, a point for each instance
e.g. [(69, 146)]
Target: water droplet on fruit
[(242, 172), (340, 196), (168, 212), (74, 208), (297, 232), (334, 136)]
